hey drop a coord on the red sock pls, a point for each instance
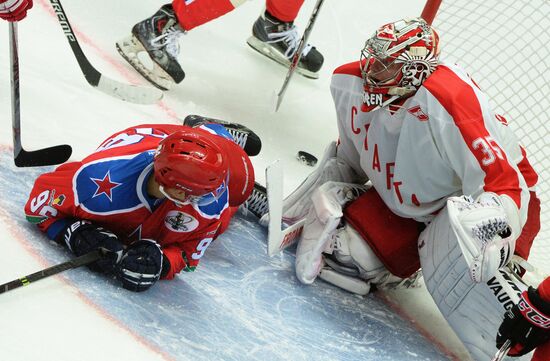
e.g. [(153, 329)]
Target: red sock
[(284, 10), (192, 13)]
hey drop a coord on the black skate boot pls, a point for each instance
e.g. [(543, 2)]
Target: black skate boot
[(257, 202), (158, 37), (279, 41), (242, 135)]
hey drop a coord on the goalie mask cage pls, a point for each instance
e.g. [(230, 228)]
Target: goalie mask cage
[(505, 46)]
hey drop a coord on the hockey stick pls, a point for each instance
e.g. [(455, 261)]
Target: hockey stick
[(298, 54), (47, 272), (47, 156), (278, 239), (501, 353), (131, 93)]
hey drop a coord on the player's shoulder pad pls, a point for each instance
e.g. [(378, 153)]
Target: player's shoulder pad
[(452, 87)]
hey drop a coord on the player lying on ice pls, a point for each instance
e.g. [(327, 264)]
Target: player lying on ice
[(425, 174), (152, 197)]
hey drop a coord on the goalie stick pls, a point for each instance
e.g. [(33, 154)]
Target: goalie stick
[(278, 239), (296, 58), (131, 93), (22, 158), (50, 271)]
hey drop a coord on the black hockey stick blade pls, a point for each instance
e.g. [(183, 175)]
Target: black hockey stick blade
[(127, 92), (47, 272), (298, 54), (47, 156)]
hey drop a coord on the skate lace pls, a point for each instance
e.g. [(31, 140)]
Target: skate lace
[(169, 40), (238, 137), (291, 39), (257, 202)]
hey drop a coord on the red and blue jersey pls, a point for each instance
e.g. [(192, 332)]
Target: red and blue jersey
[(109, 188)]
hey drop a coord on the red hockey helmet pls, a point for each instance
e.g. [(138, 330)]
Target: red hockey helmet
[(397, 59), (191, 160)]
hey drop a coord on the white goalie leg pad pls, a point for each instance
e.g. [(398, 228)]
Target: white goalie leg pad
[(473, 310), (352, 264), (352, 250), (483, 232), (330, 168), (321, 223), (348, 283)]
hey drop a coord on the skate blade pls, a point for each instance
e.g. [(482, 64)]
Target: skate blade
[(273, 54), (130, 48)]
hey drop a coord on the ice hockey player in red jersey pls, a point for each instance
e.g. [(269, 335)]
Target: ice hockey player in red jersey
[(273, 35), (14, 10), (425, 175), (152, 197), (527, 324)]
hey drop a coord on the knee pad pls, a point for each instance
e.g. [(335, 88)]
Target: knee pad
[(350, 249)]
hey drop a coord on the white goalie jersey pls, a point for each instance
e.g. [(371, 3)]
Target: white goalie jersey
[(430, 147)]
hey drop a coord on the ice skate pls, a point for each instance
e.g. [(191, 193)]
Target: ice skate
[(152, 48), (279, 40), (242, 135), (257, 202)]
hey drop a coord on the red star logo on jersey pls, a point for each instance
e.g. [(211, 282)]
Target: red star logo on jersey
[(105, 186)]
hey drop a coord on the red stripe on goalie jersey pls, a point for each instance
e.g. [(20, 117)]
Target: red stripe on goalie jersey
[(500, 177), (531, 177)]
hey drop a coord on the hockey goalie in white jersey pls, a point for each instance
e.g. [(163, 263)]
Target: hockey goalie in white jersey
[(425, 175)]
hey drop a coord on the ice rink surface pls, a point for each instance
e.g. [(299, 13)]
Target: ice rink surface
[(239, 304)]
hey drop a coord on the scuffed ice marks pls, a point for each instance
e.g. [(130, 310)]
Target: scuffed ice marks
[(239, 305)]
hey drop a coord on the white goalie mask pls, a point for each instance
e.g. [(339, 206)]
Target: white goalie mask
[(396, 60)]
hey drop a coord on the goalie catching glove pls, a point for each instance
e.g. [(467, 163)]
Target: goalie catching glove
[(486, 230)]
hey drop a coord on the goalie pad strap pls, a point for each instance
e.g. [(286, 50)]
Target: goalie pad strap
[(392, 238)]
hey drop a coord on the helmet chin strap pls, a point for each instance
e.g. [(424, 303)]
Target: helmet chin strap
[(176, 201)]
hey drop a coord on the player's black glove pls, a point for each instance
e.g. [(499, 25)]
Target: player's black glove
[(82, 237), (141, 265), (527, 324)]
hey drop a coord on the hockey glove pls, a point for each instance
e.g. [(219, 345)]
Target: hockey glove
[(14, 10), (141, 265), (527, 324), (484, 234), (83, 237)]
